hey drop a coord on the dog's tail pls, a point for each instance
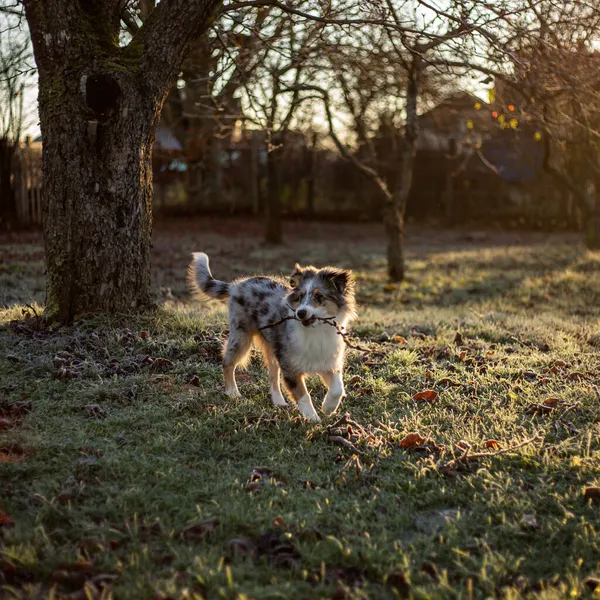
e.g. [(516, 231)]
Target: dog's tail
[(201, 278)]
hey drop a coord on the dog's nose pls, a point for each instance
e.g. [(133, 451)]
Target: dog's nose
[(301, 313)]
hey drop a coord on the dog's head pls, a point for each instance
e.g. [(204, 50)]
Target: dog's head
[(321, 293)]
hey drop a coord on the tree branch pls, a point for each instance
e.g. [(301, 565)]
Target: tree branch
[(167, 35)]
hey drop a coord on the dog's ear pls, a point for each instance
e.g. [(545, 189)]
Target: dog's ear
[(339, 278), (296, 276)]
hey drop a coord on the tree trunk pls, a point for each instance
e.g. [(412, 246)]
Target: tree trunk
[(394, 229), (99, 105), (8, 208), (273, 233), (97, 132), (592, 228), (396, 208)]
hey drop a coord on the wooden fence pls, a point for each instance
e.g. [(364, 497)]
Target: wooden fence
[(27, 173)]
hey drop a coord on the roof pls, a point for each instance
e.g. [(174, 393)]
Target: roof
[(166, 140)]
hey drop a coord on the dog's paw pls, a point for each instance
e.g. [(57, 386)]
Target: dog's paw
[(233, 393), (331, 404), (278, 400), (307, 410)]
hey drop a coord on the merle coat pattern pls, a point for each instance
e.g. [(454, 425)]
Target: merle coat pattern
[(293, 348)]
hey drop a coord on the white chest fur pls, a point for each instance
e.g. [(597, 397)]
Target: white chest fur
[(317, 349)]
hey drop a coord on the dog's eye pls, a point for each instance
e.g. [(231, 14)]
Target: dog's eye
[(318, 296)]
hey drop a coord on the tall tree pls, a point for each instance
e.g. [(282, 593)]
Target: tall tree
[(99, 103)]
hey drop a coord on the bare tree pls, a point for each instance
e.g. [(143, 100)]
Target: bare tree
[(389, 74), (15, 73)]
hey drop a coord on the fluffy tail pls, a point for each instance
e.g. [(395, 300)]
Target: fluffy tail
[(201, 278)]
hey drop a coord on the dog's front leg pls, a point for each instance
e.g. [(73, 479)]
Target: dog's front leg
[(333, 380), (297, 388)]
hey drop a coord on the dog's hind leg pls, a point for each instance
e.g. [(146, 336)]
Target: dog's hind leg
[(295, 384), (333, 380), (237, 352), (273, 366)]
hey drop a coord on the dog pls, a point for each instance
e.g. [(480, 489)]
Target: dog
[(283, 318)]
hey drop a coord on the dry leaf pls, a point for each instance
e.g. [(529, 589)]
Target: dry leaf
[(5, 520), (399, 339), (411, 440), (592, 493), (551, 401), (447, 381), (493, 444), (278, 521), (241, 547), (592, 583), (202, 530), (426, 395), (458, 338)]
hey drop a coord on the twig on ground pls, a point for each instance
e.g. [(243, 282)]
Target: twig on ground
[(338, 439), (466, 456)]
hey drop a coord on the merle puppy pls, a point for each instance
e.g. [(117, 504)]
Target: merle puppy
[(298, 347)]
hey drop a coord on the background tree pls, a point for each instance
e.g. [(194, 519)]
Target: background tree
[(15, 75)]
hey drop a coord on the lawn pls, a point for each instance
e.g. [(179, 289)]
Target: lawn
[(126, 471)]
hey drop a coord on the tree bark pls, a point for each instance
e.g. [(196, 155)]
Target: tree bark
[(8, 208), (396, 207), (273, 234), (592, 228), (99, 105)]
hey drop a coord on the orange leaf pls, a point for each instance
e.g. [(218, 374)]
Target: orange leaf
[(493, 444), (560, 363), (278, 521), (5, 520), (551, 401), (427, 395), (399, 339), (592, 493), (411, 440)]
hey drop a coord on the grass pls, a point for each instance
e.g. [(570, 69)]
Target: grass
[(122, 474)]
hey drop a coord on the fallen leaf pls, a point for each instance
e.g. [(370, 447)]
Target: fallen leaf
[(458, 338), (544, 409), (430, 568), (592, 583), (399, 339), (64, 497), (576, 375), (201, 530), (592, 493), (278, 521), (241, 547), (411, 440), (447, 381), (426, 395), (530, 522), (493, 444), (161, 362), (551, 401), (560, 364), (5, 520), (399, 581), (144, 335)]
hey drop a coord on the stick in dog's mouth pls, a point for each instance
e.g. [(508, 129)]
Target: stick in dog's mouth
[(309, 322)]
